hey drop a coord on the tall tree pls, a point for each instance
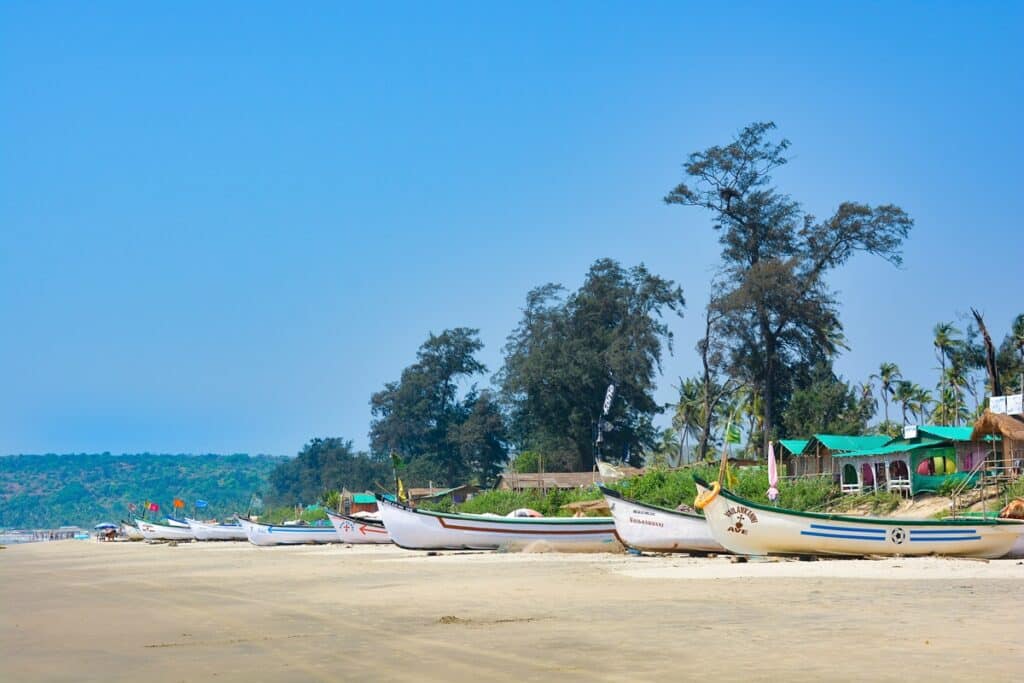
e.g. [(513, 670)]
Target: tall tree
[(904, 395), (688, 420), (777, 308), (946, 342), (887, 375), (421, 417), (716, 388), (567, 349)]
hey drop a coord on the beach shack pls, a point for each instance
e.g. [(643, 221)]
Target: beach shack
[(458, 494), (1005, 435), (921, 460), (363, 502), (817, 456), (545, 481), (790, 451)]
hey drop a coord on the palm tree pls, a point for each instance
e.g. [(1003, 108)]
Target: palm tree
[(945, 343), (887, 375), (688, 418), (921, 400), (904, 395), (956, 381)]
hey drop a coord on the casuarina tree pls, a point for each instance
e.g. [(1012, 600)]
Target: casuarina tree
[(778, 310)]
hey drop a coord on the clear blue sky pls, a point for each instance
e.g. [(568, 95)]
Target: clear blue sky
[(223, 226)]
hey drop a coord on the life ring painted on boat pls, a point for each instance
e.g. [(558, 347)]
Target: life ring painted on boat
[(704, 499)]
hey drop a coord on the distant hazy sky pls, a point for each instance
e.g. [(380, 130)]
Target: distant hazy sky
[(224, 225)]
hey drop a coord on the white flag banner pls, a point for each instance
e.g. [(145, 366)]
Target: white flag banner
[(609, 395), (997, 404), (1015, 404)]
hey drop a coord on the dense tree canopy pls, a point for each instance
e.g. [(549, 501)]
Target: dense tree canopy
[(777, 309), (824, 403), (443, 438), (326, 465), (565, 352)]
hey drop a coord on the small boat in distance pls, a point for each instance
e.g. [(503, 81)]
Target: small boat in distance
[(359, 529), (272, 534), (657, 529), (204, 531), (154, 531), (424, 530), (750, 528)]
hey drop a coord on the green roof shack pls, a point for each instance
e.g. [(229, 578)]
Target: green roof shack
[(815, 457), (921, 460)]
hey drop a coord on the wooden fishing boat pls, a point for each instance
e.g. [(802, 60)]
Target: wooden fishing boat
[(359, 529), (424, 530), (272, 534), (216, 532), (130, 531), (750, 528), (657, 529), (155, 531)]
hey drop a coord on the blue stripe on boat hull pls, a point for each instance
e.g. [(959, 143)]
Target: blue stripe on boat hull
[(875, 538), (849, 529)]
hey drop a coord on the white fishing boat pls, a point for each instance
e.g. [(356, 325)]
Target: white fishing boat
[(750, 528), (657, 529), (424, 530), (205, 531), (154, 531), (272, 534), (180, 523), (130, 531), (359, 529)]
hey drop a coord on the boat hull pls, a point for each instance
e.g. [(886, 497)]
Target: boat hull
[(750, 528), (131, 532), (656, 529), (423, 530), (161, 532), (217, 532), (269, 534), (355, 530)]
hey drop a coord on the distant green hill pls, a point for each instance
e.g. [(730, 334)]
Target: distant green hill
[(52, 490)]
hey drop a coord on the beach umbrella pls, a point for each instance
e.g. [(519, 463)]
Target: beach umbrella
[(773, 474), (105, 525)]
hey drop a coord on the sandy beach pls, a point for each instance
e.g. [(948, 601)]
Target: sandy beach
[(77, 611)]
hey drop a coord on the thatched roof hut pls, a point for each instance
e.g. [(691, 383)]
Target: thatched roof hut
[(1011, 431), (995, 424)]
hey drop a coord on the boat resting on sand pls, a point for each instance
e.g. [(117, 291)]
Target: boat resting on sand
[(359, 529), (204, 531), (658, 529), (272, 534), (750, 528), (424, 530), (155, 531), (130, 531)]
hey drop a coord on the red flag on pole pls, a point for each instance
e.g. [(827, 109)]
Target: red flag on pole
[(153, 507)]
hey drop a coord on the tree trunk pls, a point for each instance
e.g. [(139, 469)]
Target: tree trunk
[(768, 388)]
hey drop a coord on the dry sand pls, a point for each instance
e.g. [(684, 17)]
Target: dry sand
[(76, 611)]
